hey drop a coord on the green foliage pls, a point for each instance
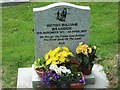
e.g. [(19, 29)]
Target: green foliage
[(68, 79), (39, 63)]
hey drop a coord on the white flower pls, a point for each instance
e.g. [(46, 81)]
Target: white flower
[(53, 67), (68, 71), (78, 74), (64, 71), (58, 71), (63, 67)]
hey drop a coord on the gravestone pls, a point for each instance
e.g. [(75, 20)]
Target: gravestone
[(60, 24)]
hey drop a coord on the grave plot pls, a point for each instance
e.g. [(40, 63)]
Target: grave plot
[(62, 56)]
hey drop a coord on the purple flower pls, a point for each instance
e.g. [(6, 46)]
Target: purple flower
[(55, 76), (49, 73), (44, 77), (44, 74), (49, 78), (81, 81)]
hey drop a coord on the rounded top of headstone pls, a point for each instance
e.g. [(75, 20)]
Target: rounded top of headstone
[(60, 4)]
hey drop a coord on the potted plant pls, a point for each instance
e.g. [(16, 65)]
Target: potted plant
[(86, 56), (59, 70), (39, 66), (79, 84), (61, 77), (58, 56)]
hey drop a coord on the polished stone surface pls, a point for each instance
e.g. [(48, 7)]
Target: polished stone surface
[(60, 24), (24, 79)]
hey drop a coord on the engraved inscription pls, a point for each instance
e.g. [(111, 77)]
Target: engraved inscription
[(61, 33)]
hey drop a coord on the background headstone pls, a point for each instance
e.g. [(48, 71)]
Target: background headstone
[(60, 24)]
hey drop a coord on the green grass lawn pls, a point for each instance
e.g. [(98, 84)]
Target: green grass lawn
[(0, 48), (18, 38)]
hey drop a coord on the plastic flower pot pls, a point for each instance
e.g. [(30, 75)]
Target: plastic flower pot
[(39, 72), (76, 86), (86, 70), (50, 88), (42, 87), (79, 85)]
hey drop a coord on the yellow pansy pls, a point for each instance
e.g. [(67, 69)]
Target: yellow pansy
[(62, 58), (48, 61), (56, 50), (55, 58), (83, 48), (64, 53), (58, 56), (85, 53), (65, 49), (47, 55), (52, 54), (89, 50), (55, 63), (78, 50), (67, 60), (70, 54)]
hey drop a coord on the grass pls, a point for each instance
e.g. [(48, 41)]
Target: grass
[(18, 38), (0, 48)]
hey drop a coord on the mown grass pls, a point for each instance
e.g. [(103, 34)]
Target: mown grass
[(18, 38), (0, 48)]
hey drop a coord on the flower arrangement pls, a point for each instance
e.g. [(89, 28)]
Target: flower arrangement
[(86, 56), (58, 69), (58, 56)]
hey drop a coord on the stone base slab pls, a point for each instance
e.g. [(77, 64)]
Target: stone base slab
[(27, 79)]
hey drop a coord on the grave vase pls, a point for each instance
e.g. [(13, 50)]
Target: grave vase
[(86, 70)]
